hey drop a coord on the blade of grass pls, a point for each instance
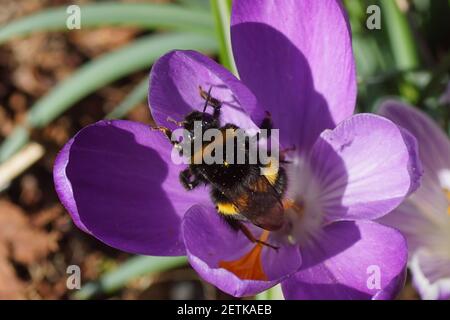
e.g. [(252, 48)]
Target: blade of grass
[(112, 66), (221, 10), (98, 73), (137, 95), (200, 4), (356, 13), (133, 268), (147, 16), (13, 143), (403, 46), (400, 36)]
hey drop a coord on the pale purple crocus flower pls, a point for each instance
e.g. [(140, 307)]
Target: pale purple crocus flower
[(425, 217), (294, 60)]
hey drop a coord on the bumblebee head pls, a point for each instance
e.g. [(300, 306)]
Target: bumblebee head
[(198, 118)]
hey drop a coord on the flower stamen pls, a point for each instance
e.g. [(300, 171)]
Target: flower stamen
[(447, 194), (291, 204)]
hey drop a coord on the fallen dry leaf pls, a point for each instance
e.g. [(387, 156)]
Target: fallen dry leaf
[(20, 243)]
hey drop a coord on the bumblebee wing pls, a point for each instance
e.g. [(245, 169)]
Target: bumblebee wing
[(260, 204), (266, 208)]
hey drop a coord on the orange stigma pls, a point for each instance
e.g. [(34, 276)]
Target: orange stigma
[(249, 266)]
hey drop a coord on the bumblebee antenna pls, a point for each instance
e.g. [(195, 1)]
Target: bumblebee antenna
[(208, 97)]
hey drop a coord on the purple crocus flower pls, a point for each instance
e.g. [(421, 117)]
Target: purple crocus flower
[(425, 217), (295, 60)]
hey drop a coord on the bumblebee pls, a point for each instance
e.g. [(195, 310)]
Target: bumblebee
[(240, 192)]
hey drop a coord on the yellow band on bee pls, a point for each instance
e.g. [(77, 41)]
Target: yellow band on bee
[(271, 171), (227, 208)]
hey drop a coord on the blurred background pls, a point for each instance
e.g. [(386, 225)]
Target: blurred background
[(56, 79)]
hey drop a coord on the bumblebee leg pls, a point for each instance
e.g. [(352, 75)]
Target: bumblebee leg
[(189, 180), (177, 123), (168, 133), (252, 238)]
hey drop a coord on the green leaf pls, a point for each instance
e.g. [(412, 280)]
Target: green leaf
[(356, 13), (137, 95), (102, 71), (400, 36), (146, 16), (274, 293), (222, 10), (133, 268), (16, 140), (365, 52)]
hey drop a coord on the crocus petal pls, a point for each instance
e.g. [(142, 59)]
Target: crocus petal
[(434, 152), (351, 260), (174, 89), (365, 167), (434, 143), (118, 182), (296, 57), (428, 238), (416, 226), (431, 274), (210, 242)]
